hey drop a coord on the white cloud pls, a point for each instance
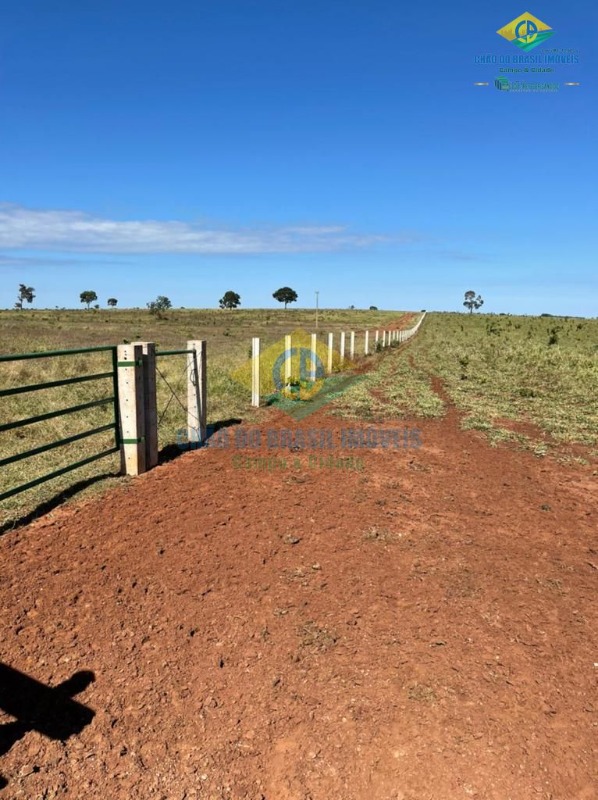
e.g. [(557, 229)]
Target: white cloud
[(78, 232)]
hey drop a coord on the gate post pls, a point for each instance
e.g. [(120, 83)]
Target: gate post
[(197, 390), (131, 409), (150, 406)]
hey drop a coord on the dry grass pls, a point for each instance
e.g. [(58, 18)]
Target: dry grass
[(228, 334)]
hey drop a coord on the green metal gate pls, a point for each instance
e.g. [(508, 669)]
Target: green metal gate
[(112, 400)]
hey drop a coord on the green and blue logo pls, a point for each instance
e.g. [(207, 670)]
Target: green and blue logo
[(526, 31)]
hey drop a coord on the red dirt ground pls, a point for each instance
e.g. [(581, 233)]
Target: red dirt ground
[(421, 629)]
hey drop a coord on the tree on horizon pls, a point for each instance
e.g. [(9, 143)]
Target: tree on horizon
[(230, 300), (26, 295), (89, 297), (158, 306), (285, 295), (471, 301)]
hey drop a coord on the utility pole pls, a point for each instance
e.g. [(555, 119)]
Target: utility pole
[(317, 307)]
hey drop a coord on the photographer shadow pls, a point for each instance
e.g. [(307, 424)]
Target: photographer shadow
[(50, 711)]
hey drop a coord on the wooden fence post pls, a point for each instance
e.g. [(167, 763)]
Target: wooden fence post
[(255, 372), (366, 345), (197, 390), (314, 354), (131, 409), (376, 339), (150, 405), (330, 352), (342, 347), (352, 345)]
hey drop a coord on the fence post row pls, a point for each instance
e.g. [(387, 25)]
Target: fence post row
[(133, 376)]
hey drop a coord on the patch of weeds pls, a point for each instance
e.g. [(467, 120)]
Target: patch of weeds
[(422, 694), (552, 584), (499, 435), (540, 449), (375, 534), (317, 637)]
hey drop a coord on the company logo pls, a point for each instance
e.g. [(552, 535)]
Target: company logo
[(506, 85), (301, 372), (526, 31)]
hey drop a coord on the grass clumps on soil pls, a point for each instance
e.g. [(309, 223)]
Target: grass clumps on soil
[(395, 389), (501, 369)]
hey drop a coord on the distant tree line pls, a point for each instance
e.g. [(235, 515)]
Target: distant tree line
[(161, 304)]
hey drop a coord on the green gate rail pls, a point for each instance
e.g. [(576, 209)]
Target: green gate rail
[(113, 373), (173, 352)]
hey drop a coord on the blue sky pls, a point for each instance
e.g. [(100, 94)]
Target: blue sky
[(188, 148)]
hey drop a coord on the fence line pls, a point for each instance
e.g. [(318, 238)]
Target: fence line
[(133, 398), (388, 339)]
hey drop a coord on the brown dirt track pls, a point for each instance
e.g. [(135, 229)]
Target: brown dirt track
[(430, 636)]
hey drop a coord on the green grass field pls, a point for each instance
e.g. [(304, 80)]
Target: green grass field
[(511, 377), (502, 372)]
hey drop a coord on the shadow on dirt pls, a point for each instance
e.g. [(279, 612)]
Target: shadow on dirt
[(172, 451), (49, 505), (37, 707)]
